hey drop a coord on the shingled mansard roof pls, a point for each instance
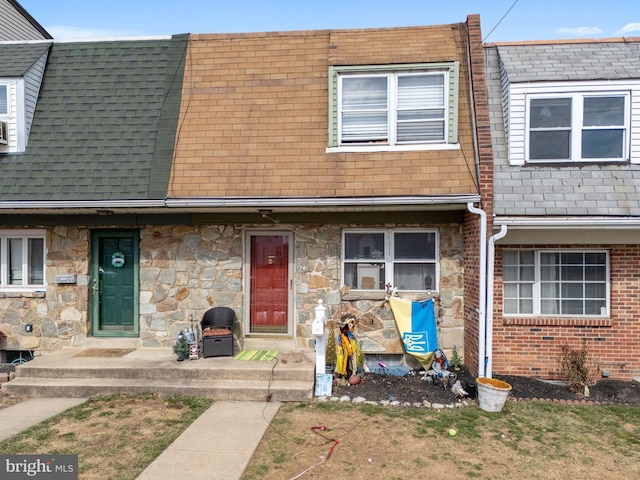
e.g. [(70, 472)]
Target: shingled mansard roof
[(105, 121), (16, 59), (570, 189)]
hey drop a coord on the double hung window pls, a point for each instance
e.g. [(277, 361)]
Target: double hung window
[(393, 107), (22, 260), (405, 259), (555, 283), (578, 127)]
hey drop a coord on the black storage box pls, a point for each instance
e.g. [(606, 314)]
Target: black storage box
[(217, 346)]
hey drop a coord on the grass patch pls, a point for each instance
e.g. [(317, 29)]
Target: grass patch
[(115, 437), (546, 440)]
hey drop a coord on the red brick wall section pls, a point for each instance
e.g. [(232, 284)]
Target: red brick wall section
[(534, 349), (471, 233), (485, 188)]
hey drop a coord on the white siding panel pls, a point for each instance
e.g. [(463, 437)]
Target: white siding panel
[(13, 26), (635, 126), (32, 81), (504, 84)]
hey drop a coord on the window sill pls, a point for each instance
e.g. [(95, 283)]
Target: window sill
[(364, 295), (22, 294), (392, 148), (565, 163), (558, 321), (354, 295)]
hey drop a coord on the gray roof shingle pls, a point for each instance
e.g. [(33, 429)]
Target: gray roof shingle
[(104, 125), (570, 61), (17, 58)]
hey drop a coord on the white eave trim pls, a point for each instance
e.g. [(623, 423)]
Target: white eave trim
[(252, 202), (589, 223), (236, 204)]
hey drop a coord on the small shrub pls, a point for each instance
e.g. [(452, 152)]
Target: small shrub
[(456, 361), (577, 368)]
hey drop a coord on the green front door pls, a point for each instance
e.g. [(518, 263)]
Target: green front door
[(114, 283)]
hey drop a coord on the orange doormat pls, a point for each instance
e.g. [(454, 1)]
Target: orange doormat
[(104, 352)]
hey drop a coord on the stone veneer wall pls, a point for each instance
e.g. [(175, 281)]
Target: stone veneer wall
[(185, 270), (59, 314), (317, 276)]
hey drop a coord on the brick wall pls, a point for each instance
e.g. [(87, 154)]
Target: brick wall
[(485, 188), (532, 346)]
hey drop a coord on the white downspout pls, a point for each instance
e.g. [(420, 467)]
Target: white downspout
[(489, 319), (482, 289)]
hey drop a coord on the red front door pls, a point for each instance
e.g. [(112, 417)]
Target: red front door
[(269, 289)]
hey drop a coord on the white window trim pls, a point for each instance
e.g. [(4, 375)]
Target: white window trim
[(517, 113), (576, 127), (4, 258), (537, 285), (5, 116), (15, 116), (388, 259), (449, 69)]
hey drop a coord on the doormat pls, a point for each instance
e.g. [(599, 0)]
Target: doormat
[(257, 355), (104, 352)]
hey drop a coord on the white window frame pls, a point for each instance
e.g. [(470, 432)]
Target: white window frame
[(450, 73), (388, 260), (576, 126), (537, 282), (24, 235), (7, 114)]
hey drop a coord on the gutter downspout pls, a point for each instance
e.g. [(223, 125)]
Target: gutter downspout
[(489, 318), (482, 289)]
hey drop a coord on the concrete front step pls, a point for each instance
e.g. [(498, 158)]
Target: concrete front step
[(70, 373), (238, 390)]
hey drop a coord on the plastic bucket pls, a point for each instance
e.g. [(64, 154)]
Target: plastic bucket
[(492, 393)]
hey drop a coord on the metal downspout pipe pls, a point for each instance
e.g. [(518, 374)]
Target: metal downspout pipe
[(482, 289), (489, 314)]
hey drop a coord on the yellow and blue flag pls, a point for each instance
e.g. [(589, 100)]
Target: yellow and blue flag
[(416, 322)]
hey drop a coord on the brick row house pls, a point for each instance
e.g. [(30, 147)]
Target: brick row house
[(565, 123), (146, 181)]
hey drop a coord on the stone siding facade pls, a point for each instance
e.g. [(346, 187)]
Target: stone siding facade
[(185, 270)]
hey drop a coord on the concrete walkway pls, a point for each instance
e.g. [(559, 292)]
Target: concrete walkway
[(218, 445), (32, 411)]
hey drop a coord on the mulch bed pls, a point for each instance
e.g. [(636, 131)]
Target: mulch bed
[(412, 389)]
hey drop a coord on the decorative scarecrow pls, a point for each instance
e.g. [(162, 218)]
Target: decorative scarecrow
[(347, 348)]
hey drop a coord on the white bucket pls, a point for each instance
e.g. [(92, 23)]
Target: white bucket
[(492, 393)]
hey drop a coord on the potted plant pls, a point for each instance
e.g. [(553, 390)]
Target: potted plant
[(181, 348)]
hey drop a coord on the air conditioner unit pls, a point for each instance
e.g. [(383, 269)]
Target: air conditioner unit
[(4, 133)]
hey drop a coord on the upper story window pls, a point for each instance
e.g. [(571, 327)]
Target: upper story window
[(555, 283), (406, 259), (4, 100), (22, 260), (406, 107), (4, 114), (578, 127)]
